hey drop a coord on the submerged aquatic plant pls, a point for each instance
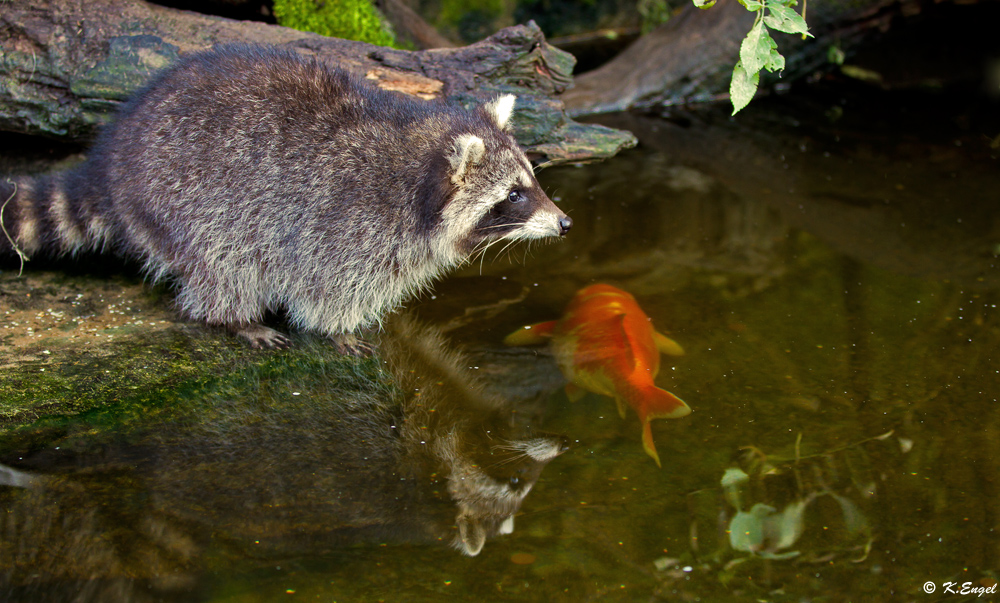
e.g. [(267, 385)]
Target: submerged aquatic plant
[(763, 530)]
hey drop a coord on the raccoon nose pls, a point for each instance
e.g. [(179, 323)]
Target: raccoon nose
[(565, 223)]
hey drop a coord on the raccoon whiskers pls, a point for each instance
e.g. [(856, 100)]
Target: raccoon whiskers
[(482, 258), (539, 449), (542, 166), (508, 225), (508, 245), (509, 447), (482, 254), (481, 248), (479, 252), (527, 252), (518, 236)]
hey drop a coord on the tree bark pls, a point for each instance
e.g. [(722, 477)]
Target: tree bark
[(68, 64)]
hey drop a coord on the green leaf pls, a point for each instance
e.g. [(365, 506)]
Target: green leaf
[(755, 51), (785, 19), (784, 529), (734, 477), (703, 4), (746, 530), (743, 87), (854, 519), (775, 62), (752, 5)]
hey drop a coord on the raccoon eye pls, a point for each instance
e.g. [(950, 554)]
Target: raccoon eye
[(514, 196)]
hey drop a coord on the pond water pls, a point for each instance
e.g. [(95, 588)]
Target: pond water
[(829, 267)]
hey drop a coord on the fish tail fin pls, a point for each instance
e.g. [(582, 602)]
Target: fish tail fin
[(647, 442), (531, 334), (661, 404), (658, 404)]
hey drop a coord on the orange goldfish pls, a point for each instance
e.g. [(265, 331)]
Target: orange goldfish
[(605, 343)]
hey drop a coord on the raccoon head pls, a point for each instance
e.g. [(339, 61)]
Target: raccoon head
[(488, 491), (496, 196)]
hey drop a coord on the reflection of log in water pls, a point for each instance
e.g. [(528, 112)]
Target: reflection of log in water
[(900, 207), (314, 462), (646, 221)]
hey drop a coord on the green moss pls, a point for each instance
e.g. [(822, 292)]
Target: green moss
[(348, 19), (171, 377)]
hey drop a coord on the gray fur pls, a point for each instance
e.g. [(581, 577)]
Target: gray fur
[(258, 179)]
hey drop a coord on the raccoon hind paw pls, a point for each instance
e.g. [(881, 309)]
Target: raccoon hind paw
[(349, 344), (261, 337)]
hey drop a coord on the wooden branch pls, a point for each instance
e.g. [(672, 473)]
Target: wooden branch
[(67, 65)]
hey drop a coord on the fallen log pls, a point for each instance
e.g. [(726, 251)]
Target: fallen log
[(67, 65)]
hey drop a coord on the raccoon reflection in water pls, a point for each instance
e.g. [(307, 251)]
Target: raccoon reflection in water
[(258, 179), (430, 457)]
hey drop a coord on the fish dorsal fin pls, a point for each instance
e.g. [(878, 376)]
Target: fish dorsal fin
[(627, 348), (613, 341)]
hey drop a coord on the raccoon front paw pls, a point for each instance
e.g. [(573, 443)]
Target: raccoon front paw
[(261, 337), (349, 344)]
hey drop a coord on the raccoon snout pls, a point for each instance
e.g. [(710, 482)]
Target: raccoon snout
[(565, 223)]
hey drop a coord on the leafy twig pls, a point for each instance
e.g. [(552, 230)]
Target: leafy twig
[(758, 50)]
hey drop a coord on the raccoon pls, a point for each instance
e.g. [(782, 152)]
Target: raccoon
[(258, 179)]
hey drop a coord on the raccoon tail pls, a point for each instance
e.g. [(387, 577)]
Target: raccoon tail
[(43, 215)]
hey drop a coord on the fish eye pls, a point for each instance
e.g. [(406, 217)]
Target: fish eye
[(514, 196)]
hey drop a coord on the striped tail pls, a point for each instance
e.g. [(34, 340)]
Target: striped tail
[(42, 216)]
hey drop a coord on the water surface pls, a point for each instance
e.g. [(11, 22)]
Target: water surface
[(832, 276)]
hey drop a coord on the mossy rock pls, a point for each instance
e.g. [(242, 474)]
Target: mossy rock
[(82, 353)]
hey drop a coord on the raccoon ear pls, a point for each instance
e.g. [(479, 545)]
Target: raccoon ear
[(467, 151), (471, 535), (501, 109)]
